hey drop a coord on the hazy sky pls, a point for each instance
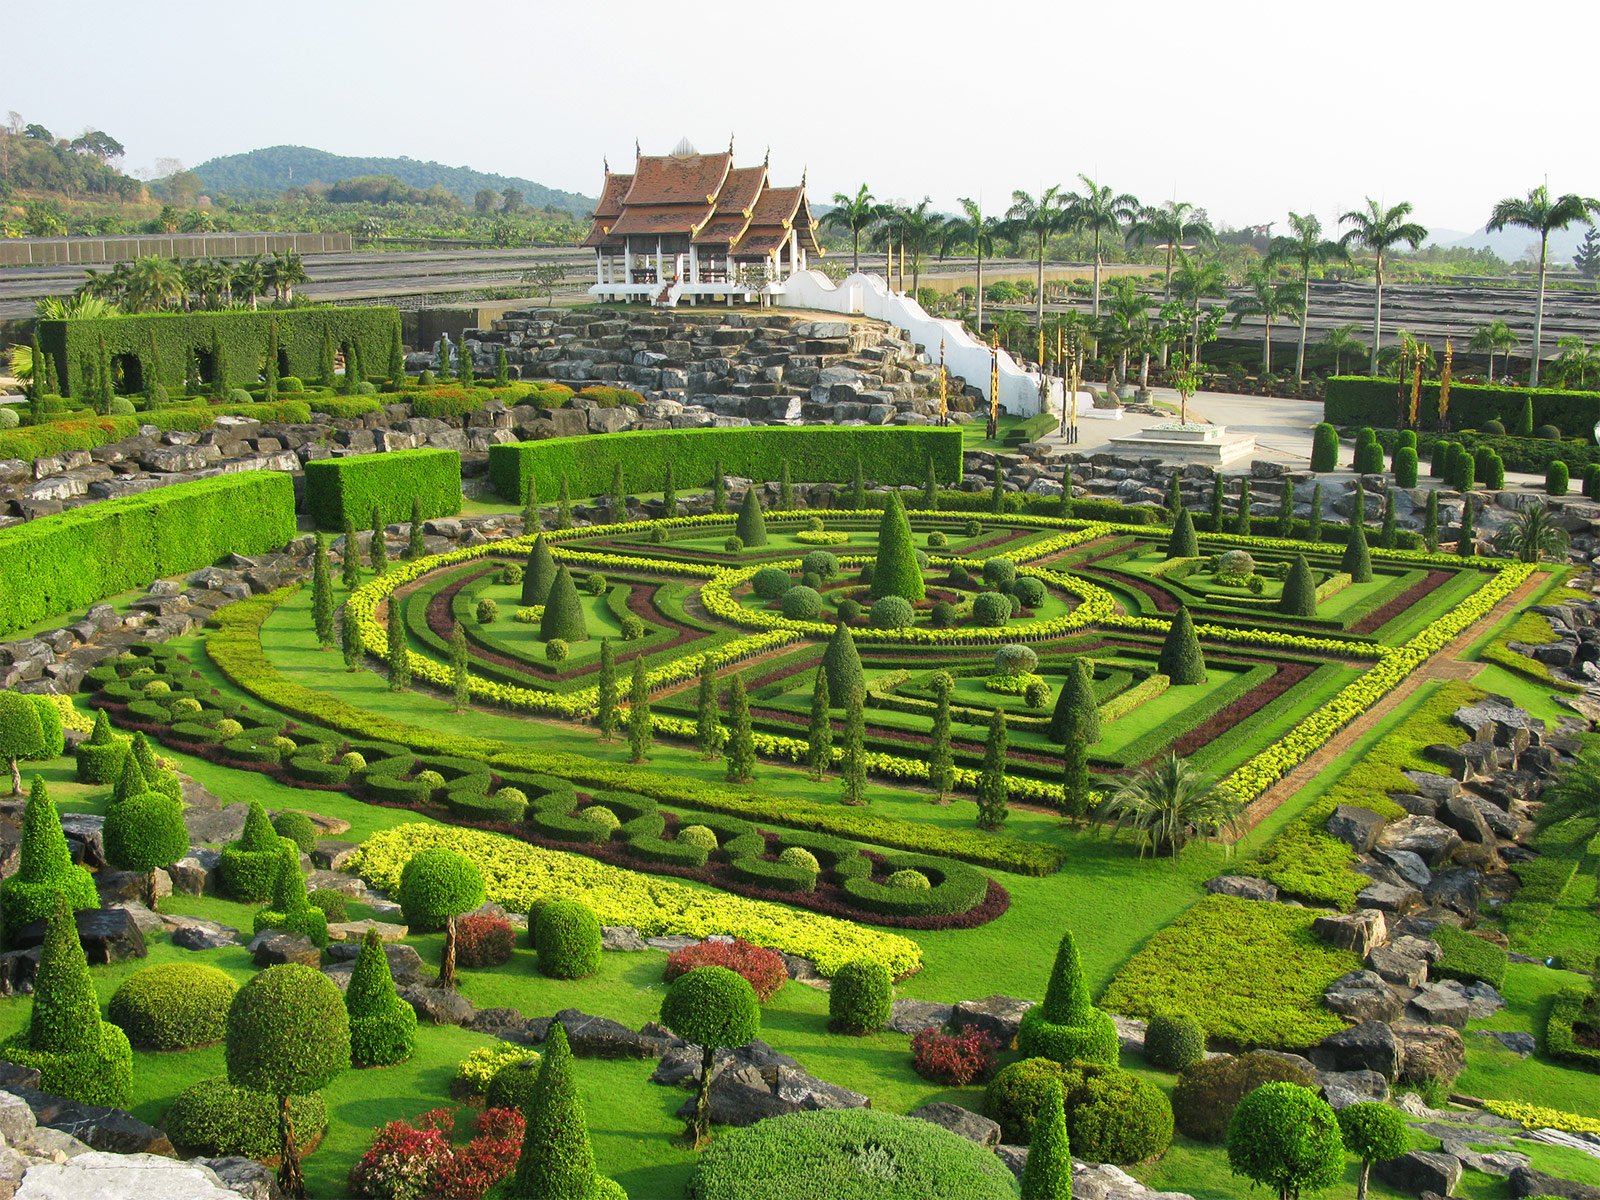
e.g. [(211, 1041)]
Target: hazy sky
[(1247, 108)]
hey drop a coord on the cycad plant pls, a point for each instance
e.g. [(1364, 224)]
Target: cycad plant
[(1169, 804), (1533, 536)]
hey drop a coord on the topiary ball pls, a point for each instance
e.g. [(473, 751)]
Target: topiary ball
[(436, 884), (1028, 591), (891, 612), (771, 582), (821, 563), (733, 543), (354, 760), (1174, 1042), (555, 650), (991, 610), (849, 610), (599, 814), (1236, 562), (908, 879), (240, 396), (429, 781), (566, 935), (288, 1032), (298, 828), (173, 1006), (937, 538), (595, 583), (972, 528), (335, 906), (121, 406), (860, 997), (801, 603), (799, 856), (290, 385), (488, 612), (943, 615), (1015, 660), (698, 835), (1495, 426), (712, 1006), (9, 418), (999, 573), (1548, 432)]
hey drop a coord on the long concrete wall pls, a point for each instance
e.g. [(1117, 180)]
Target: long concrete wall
[(869, 296), (50, 252)]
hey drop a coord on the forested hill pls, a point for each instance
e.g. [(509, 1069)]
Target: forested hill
[(263, 174)]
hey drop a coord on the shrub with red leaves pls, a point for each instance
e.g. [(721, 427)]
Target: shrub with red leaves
[(953, 1058), (413, 1162), (763, 968), (484, 941)]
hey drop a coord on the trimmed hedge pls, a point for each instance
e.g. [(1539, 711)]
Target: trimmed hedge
[(1573, 1007), (566, 934), (348, 489), (815, 453), (1363, 400), (215, 1118), (861, 997), (56, 564), (1469, 959), (173, 1006), (164, 342)]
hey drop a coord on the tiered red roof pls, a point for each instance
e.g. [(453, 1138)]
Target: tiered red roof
[(703, 197)]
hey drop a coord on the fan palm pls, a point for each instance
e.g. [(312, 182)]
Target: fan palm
[(1268, 299), (249, 279), (153, 284), (1101, 213), (919, 229), (1576, 359), (76, 307), (1380, 230), (285, 272), (1167, 227), (1168, 804), (1574, 794), (1533, 536), (1192, 282), (971, 228), (1542, 215), (1039, 218), (855, 213), (1494, 338), (1307, 249), (1007, 326)]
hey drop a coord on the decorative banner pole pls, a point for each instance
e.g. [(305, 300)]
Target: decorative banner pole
[(1075, 351), (1061, 362), (944, 394), (994, 387), (902, 265), (888, 261), (1444, 387), (1416, 389)]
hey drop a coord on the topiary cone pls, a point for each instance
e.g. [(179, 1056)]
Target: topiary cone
[(1048, 1173), (1181, 657), (1357, 559), (751, 526), (1299, 597), (897, 572), (1076, 703), (842, 663), (563, 611), (557, 1159), (1182, 543), (538, 574)]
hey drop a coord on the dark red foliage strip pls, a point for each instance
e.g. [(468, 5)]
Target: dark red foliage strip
[(1379, 617), (763, 968), (953, 1058)]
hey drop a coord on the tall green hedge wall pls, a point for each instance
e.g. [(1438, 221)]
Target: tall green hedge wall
[(53, 565), (1363, 400), (243, 337), (816, 454), (341, 488)]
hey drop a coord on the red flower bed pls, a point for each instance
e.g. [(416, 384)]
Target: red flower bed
[(484, 941), (407, 1162), (954, 1058), (762, 967)]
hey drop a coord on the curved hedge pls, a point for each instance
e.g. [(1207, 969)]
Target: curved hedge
[(806, 1155), (814, 453), (56, 564), (348, 489)]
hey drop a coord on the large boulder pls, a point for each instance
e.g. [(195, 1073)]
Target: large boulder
[(960, 1121), (1363, 996), (749, 1094), (192, 933), (910, 1016), (1398, 967), (1398, 899), (95, 1125), (1359, 931), (109, 935), (599, 1037), (1428, 838), (1421, 1171), (1525, 1182), (1357, 828), (1438, 1005), (273, 949), (98, 1175), (1341, 1089), (1246, 886), (1429, 1052), (999, 1016), (1462, 815), (438, 1006), (1369, 1046)]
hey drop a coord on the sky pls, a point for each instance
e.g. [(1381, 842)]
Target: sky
[(1248, 109)]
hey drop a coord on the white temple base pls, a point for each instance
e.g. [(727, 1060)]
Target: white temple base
[(1210, 445)]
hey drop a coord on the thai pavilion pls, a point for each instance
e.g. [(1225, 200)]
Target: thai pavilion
[(694, 225)]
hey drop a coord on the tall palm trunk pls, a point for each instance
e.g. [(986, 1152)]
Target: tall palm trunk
[(1377, 318), (855, 250), (1305, 313), (1266, 345), (980, 290), (1097, 275), (1038, 299), (1491, 366), (1538, 313)]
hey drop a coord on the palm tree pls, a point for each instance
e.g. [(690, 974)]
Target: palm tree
[(1576, 359), (1533, 536), (1542, 215), (855, 213), (919, 229), (153, 284), (1039, 218), (1342, 340), (1167, 226), (1494, 338), (249, 279), (887, 222), (1125, 325), (1380, 229), (1305, 248), (972, 228), (1574, 794), (285, 272), (1192, 282), (1101, 213), (1269, 300), (1006, 327), (1168, 804)]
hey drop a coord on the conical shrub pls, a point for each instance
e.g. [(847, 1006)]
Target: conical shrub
[(1299, 597), (45, 871), (1357, 559), (557, 1159), (896, 572), (383, 1027), (1181, 659), (1076, 705), (751, 525), (1048, 1172), (100, 755), (291, 910), (131, 781), (538, 574), (563, 611), (156, 777), (1183, 543), (842, 664), (248, 867), (1067, 1027)]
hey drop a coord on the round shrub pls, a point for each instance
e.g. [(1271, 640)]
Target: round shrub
[(821, 563), (1028, 591), (937, 538), (799, 856), (566, 935), (185, 706), (860, 998), (801, 603), (1015, 660), (733, 543), (511, 574), (429, 781), (632, 627), (770, 582), (1494, 425), (335, 906), (488, 611), (1015, 1093), (1036, 693), (484, 940), (285, 746), (909, 879), (849, 610), (1174, 1042), (436, 884), (227, 728), (959, 575), (297, 827), (1209, 1091), (157, 687), (216, 1119), (288, 1032), (599, 814), (366, 388), (698, 835), (943, 615), (354, 760), (512, 1085), (811, 580), (658, 536), (595, 583), (972, 528), (814, 525), (1112, 1115), (849, 1154), (9, 418), (240, 396), (555, 650), (712, 1007), (991, 609), (173, 1006), (891, 612), (1287, 1137), (999, 573), (1556, 478), (1236, 562), (1548, 432), (291, 385), (866, 572)]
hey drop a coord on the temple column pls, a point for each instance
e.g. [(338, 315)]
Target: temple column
[(627, 260), (694, 264), (661, 264)]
